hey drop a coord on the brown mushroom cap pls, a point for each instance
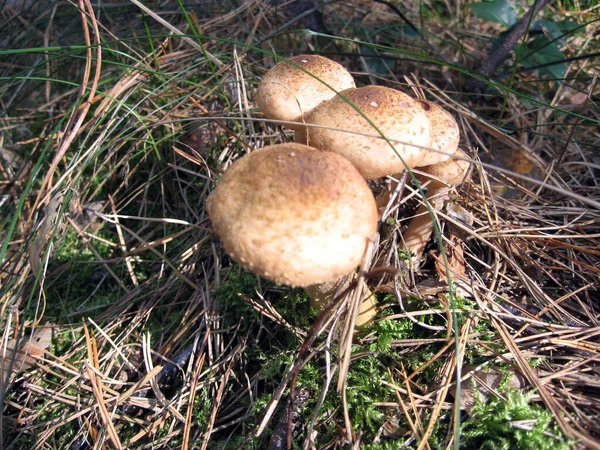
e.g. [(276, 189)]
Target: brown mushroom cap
[(288, 93), (397, 115), (450, 172), (294, 214), (444, 131)]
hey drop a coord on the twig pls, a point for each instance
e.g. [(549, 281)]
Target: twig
[(279, 438), (409, 23), (96, 381), (219, 395), (73, 124), (128, 259), (490, 65), (574, 126), (179, 33), (198, 365)]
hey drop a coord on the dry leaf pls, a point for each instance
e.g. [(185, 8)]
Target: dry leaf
[(49, 221), (457, 212), (200, 139), (456, 260), (392, 428), (483, 382), (456, 264), (23, 354), (520, 162), (8, 156), (578, 98), (86, 216)]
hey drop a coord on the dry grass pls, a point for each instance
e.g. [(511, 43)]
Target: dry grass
[(113, 138)]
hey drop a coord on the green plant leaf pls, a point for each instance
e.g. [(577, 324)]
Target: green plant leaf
[(551, 29), (500, 11), (374, 63), (557, 30), (541, 51)]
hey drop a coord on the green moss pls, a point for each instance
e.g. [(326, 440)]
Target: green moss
[(382, 446), (203, 405), (388, 330), (364, 389), (15, 438), (514, 424)]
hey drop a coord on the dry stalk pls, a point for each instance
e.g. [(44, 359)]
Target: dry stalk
[(77, 114)]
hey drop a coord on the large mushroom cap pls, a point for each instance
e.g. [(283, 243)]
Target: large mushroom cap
[(288, 93), (397, 115), (444, 131), (294, 214)]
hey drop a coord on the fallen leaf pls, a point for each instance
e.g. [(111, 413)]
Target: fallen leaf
[(459, 213), (50, 220), (8, 156), (578, 98), (86, 216), (455, 257), (520, 162), (21, 355), (201, 139), (481, 384)]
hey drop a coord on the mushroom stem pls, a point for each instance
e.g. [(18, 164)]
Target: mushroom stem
[(440, 176), (301, 136), (383, 198), (420, 227), (322, 294)]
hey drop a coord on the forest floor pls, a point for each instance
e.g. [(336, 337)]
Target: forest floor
[(124, 323)]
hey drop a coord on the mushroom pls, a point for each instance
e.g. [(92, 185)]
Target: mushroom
[(294, 214), (289, 93), (395, 114), (440, 176), (445, 138), (444, 131)]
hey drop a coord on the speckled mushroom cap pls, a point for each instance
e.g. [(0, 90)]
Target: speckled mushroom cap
[(294, 214), (397, 115), (450, 172), (444, 131), (288, 93)]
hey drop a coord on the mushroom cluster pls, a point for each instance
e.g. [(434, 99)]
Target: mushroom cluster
[(302, 214), (382, 131)]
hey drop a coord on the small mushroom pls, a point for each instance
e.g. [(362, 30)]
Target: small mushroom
[(342, 129), (294, 214), (445, 138), (441, 177), (444, 131), (289, 93)]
